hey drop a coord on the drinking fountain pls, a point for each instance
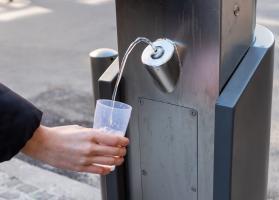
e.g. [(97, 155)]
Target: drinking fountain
[(200, 126)]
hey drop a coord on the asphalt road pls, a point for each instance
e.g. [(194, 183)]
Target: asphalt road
[(50, 48)]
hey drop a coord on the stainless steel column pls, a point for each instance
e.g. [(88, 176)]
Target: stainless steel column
[(100, 59)]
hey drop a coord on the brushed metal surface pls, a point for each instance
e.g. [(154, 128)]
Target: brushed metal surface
[(100, 60), (167, 75), (215, 41), (252, 123), (165, 70), (238, 23), (243, 117), (168, 148), (196, 25)]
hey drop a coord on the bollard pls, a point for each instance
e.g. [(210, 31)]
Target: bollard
[(100, 59)]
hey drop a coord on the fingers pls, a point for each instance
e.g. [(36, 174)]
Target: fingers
[(96, 169), (95, 135), (103, 160), (101, 150), (110, 139), (68, 127)]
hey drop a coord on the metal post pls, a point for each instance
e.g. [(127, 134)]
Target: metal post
[(112, 185), (100, 59)]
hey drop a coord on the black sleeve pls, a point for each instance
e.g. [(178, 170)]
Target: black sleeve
[(18, 121)]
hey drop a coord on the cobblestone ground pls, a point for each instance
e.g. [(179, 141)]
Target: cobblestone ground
[(21, 181), (13, 188)]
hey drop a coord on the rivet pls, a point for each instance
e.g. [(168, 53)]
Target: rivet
[(236, 10), (194, 189), (141, 102), (143, 172), (193, 113)]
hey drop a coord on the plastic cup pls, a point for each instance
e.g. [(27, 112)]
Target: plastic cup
[(112, 117)]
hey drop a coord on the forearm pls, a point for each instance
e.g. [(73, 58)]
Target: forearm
[(76, 148), (68, 147), (39, 141)]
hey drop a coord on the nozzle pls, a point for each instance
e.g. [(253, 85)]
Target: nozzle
[(162, 64), (158, 53)]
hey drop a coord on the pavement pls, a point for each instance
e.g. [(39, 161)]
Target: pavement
[(44, 47), (26, 182), (47, 46)]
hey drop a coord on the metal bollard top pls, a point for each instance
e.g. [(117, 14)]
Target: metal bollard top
[(103, 53)]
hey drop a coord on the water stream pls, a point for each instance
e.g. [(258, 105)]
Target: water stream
[(124, 60)]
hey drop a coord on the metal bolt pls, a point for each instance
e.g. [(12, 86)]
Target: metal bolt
[(194, 189), (143, 172), (141, 102), (236, 10), (158, 53), (193, 113)]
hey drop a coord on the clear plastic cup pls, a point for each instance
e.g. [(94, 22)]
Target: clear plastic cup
[(112, 117)]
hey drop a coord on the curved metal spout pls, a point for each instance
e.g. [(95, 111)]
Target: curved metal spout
[(163, 65)]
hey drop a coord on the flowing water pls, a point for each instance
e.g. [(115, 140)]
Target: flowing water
[(123, 62)]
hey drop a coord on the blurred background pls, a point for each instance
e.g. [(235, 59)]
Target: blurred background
[(44, 56)]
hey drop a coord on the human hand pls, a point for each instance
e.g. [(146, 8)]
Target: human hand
[(77, 148)]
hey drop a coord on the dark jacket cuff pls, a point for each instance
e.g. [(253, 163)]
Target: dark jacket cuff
[(18, 121)]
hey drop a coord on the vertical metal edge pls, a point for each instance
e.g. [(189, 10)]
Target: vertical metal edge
[(112, 185), (100, 60), (223, 152), (258, 92)]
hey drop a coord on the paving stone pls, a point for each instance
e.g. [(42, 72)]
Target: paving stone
[(42, 195), (10, 195), (12, 181), (65, 198), (27, 188), (3, 178)]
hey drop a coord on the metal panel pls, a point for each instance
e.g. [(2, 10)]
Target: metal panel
[(113, 185), (223, 152), (238, 24), (168, 149), (243, 117), (252, 126), (196, 25)]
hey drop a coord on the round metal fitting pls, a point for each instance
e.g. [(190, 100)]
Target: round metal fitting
[(158, 53), (193, 113), (141, 101), (236, 10)]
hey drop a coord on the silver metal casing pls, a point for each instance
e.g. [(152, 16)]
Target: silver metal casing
[(171, 151), (164, 65)]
